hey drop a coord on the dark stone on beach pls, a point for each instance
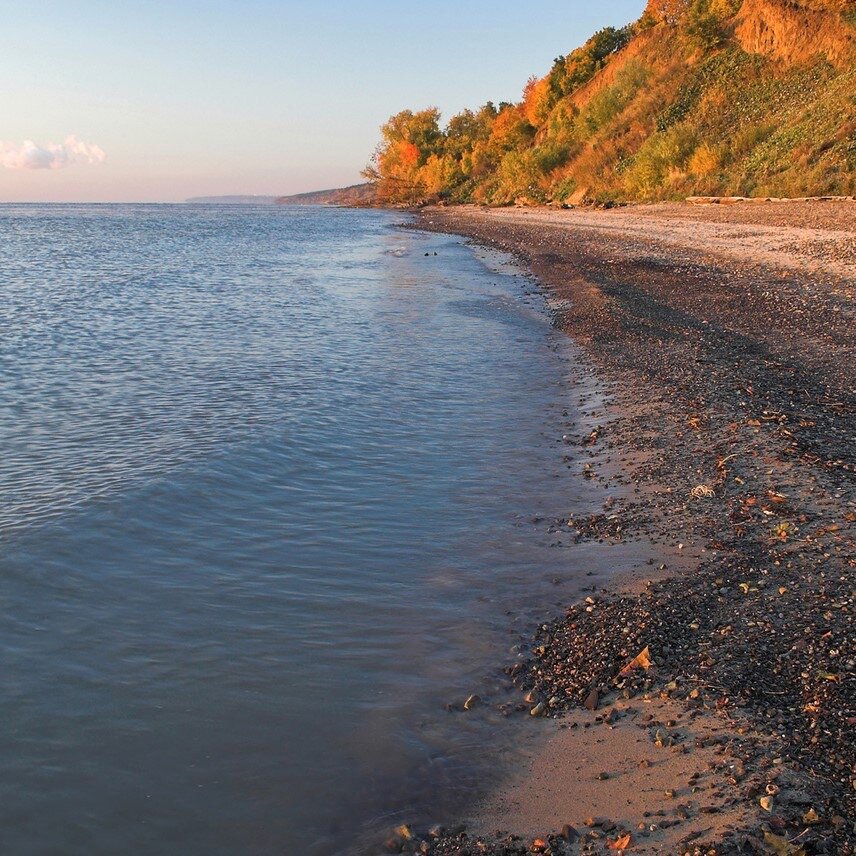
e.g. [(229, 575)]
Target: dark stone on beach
[(592, 700), (569, 833)]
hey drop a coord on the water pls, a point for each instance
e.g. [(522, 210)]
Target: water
[(266, 493)]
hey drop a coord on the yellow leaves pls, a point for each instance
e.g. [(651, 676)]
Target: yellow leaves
[(409, 140), (784, 530), (508, 130), (781, 846), (536, 102), (705, 160), (641, 661), (620, 843)]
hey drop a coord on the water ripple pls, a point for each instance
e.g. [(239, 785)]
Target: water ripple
[(261, 492)]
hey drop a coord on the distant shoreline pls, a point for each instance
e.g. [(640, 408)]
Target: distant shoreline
[(723, 333)]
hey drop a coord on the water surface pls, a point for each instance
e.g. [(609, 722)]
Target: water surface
[(266, 494)]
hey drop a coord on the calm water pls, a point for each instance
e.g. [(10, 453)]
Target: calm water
[(265, 499)]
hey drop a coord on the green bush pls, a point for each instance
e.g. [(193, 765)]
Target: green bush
[(659, 155)]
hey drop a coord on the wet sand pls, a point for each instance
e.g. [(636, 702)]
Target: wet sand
[(724, 336)]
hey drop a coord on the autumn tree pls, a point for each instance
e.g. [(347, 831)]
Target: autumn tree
[(538, 99), (578, 67), (409, 141)]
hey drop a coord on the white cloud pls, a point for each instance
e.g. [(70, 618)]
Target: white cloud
[(29, 155)]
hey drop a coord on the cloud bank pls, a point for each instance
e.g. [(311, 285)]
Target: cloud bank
[(29, 155)]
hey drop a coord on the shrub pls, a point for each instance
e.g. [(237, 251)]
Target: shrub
[(704, 160), (661, 154)]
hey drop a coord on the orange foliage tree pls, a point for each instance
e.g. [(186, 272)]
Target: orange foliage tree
[(537, 100), (409, 141)]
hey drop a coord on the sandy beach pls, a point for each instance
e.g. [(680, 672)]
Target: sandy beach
[(707, 707)]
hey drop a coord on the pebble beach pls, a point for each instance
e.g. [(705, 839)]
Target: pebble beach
[(707, 705)]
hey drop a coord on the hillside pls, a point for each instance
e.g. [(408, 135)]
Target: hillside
[(354, 196), (697, 97)]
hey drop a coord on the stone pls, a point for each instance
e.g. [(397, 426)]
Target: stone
[(569, 833)]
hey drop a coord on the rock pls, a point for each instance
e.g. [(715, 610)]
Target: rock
[(767, 803), (539, 710), (471, 702), (592, 700), (569, 833)]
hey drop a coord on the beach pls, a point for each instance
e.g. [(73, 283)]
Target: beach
[(706, 704)]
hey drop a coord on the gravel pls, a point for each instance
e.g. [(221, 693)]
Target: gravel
[(732, 433)]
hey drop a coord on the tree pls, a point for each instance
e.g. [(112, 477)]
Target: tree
[(409, 141), (538, 99), (578, 67)]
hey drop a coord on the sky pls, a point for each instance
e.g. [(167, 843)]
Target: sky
[(154, 101)]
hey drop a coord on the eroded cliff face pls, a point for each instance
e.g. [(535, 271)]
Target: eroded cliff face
[(795, 31)]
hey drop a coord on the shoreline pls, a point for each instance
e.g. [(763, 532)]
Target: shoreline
[(723, 335)]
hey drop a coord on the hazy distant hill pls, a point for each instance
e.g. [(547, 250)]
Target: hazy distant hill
[(232, 200), (357, 195), (697, 97)]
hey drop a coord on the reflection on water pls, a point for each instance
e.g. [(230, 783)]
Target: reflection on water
[(266, 483)]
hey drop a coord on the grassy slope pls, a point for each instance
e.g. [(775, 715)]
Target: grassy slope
[(769, 111)]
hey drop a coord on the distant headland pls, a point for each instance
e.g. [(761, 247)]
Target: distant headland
[(353, 196)]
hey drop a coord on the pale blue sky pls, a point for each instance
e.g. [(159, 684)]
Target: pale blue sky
[(218, 97)]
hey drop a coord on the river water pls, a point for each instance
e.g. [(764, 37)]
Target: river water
[(267, 493)]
